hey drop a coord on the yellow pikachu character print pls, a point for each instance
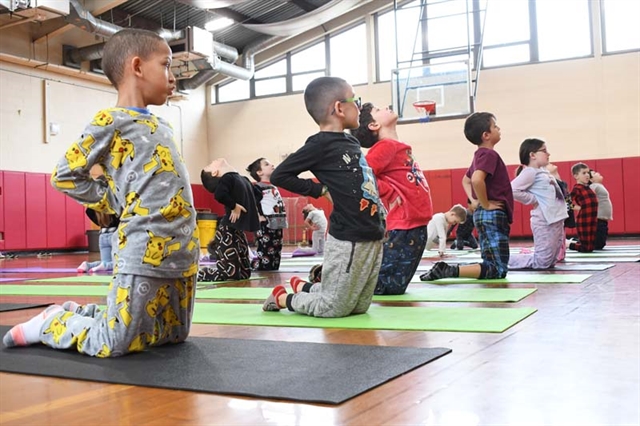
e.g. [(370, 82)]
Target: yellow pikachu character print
[(177, 206), (156, 246), (102, 206), (76, 155), (58, 326), (104, 352), (161, 161), (79, 339), (120, 150), (193, 269), (195, 239), (122, 237), (122, 298), (127, 111), (61, 185), (160, 300), (185, 290), (102, 119), (133, 206), (140, 342), (152, 123), (170, 320)]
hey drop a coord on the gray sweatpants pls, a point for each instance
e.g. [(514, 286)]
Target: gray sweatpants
[(141, 311), (349, 277), (548, 241)]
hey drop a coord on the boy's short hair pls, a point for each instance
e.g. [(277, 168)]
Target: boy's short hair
[(476, 124), (320, 94), (575, 169), (254, 168), (459, 211), (209, 182), (122, 46), (365, 136)]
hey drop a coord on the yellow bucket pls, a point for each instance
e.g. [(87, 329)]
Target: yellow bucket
[(207, 223)]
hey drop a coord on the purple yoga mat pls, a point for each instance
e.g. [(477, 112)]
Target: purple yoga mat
[(36, 270), (6, 280)]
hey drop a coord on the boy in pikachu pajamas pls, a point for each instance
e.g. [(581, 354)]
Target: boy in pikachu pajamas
[(145, 183)]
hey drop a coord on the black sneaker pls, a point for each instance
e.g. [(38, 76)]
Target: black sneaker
[(441, 270), (315, 274)]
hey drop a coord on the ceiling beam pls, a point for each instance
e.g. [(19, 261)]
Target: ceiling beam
[(96, 7), (304, 5), (235, 16)]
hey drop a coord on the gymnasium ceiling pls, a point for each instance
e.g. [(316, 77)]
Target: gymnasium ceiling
[(153, 14)]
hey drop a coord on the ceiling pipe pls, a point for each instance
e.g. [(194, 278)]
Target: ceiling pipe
[(307, 21), (83, 19), (231, 70)]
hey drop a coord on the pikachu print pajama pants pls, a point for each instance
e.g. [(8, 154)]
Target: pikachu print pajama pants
[(141, 312)]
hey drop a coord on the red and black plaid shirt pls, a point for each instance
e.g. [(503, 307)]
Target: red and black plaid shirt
[(586, 217)]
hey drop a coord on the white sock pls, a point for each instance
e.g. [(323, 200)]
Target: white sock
[(28, 332), (100, 268), (70, 306), (83, 267)]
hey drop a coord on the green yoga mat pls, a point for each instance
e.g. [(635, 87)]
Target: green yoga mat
[(613, 259), (570, 256), (480, 320), (54, 290), (414, 294), (107, 279), (517, 278)]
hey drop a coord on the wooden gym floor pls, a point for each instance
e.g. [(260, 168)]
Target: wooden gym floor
[(575, 361)]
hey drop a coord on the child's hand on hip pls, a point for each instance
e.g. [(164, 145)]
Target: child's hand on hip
[(236, 212)]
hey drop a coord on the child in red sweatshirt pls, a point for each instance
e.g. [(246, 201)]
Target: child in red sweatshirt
[(404, 192)]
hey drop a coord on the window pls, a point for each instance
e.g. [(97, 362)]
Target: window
[(348, 55), (309, 59), (300, 82), (307, 65), (619, 18), (234, 91), (506, 22), (447, 25), (564, 29), (408, 18), (498, 56), (272, 79)]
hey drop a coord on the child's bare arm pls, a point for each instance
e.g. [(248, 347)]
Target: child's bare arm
[(468, 189)]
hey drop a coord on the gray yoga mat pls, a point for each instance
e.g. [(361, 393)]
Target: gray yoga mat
[(6, 307), (307, 372)]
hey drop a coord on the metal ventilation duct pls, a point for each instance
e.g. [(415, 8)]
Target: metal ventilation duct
[(83, 19), (307, 21)]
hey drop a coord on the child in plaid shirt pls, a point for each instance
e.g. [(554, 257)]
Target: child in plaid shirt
[(585, 204)]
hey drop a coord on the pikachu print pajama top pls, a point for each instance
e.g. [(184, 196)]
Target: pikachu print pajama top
[(155, 248)]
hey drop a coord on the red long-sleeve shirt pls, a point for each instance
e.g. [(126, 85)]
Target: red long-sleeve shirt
[(402, 186)]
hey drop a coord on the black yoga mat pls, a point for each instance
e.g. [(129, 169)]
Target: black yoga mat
[(309, 372), (5, 307)]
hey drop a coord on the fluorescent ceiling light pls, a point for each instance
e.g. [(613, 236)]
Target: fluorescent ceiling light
[(218, 24)]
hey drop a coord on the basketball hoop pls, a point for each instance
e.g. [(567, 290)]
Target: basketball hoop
[(428, 107)]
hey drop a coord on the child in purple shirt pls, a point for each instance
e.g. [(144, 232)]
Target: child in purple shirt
[(488, 187)]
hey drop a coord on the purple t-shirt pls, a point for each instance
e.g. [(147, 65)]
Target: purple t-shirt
[(497, 181)]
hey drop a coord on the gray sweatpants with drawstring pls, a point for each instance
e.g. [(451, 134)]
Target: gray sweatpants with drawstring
[(349, 277)]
